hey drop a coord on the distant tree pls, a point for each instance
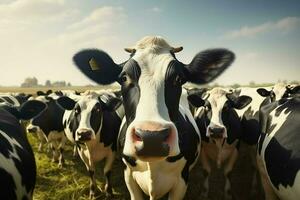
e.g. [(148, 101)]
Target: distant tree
[(48, 83), (236, 85), (69, 84), (59, 84), (30, 82), (252, 84)]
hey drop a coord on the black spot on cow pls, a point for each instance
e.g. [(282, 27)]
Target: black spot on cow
[(128, 79), (7, 188), (110, 129)]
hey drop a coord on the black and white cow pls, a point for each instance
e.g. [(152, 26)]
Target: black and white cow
[(14, 99), (17, 163), (49, 128), (92, 123), (279, 91), (279, 149), (160, 141), (250, 116), (220, 129)]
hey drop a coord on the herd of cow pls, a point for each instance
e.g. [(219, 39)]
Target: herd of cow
[(158, 128)]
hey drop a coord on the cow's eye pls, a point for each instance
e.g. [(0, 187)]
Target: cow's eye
[(77, 110), (123, 78)]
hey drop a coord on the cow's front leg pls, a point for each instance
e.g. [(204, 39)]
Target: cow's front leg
[(75, 153), (227, 171), (206, 173), (85, 157), (55, 154), (268, 190), (178, 191), (61, 150), (132, 186), (93, 185), (107, 173)]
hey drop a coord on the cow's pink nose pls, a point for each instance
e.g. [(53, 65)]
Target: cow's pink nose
[(155, 138)]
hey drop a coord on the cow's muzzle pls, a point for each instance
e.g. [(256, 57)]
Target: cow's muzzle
[(32, 129), (216, 132), (84, 135), (153, 142)]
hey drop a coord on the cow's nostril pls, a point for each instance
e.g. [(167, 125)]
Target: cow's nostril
[(217, 130), (166, 134), (84, 135), (136, 136)]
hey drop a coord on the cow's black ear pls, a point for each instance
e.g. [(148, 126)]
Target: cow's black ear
[(295, 90), (66, 103), (238, 102), (208, 65), (109, 102), (263, 92), (49, 92), (195, 97), (97, 65), (40, 93), (31, 109)]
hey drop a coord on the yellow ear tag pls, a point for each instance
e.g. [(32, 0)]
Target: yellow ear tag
[(93, 64)]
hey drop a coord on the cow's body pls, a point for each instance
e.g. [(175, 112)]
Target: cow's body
[(49, 128), (94, 130), (160, 140), (220, 129), (17, 163), (279, 149)]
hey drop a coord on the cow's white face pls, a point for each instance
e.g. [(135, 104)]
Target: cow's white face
[(215, 105), (151, 111), (279, 91), (151, 83), (86, 118)]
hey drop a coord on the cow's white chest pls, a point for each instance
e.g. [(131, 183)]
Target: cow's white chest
[(290, 193), (218, 155), (158, 178), (96, 151)]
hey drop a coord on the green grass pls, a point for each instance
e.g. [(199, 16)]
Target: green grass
[(71, 181)]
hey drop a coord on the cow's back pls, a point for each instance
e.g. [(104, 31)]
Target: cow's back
[(279, 147), (17, 164)]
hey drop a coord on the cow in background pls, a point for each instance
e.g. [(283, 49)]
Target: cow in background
[(279, 148), (159, 141), (220, 129), (92, 124), (49, 128)]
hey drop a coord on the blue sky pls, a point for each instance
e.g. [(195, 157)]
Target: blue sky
[(39, 37)]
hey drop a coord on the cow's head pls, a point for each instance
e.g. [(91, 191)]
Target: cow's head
[(217, 116), (86, 115), (151, 82), (279, 91), (26, 111), (47, 120)]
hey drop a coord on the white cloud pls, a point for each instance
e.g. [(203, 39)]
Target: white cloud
[(283, 25), (32, 11), (156, 9), (39, 37)]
